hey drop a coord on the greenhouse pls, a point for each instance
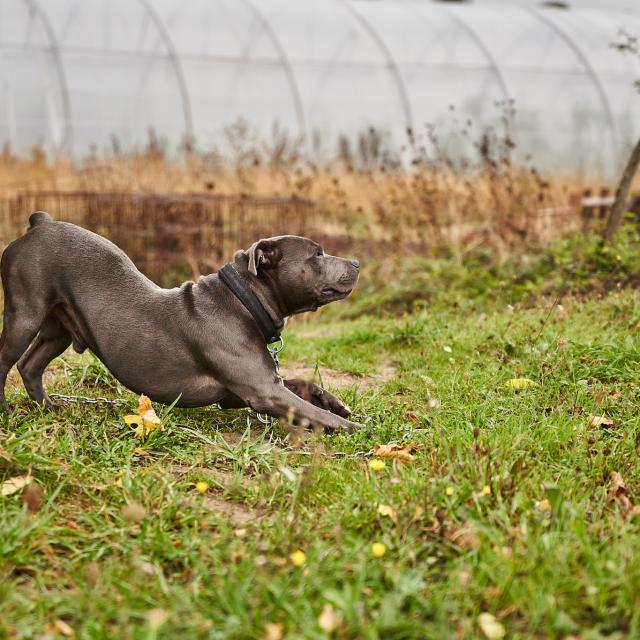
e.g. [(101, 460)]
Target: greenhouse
[(83, 75)]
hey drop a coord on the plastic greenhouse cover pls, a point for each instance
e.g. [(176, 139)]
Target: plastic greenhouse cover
[(83, 73)]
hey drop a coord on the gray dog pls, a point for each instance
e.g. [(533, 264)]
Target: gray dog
[(202, 342)]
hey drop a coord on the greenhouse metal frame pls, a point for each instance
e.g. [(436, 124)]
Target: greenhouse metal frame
[(79, 75)]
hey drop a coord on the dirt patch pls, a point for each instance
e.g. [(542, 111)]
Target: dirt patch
[(218, 475), (238, 515), (337, 379)]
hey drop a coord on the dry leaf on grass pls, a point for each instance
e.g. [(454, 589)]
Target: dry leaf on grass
[(145, 420), (156, 618), (13, 485), (33, 497), (274, 631), (599, 421), (395, 451), (387, 511), (619, 494), (328, 620), (490, 627), (133, 512), (59, 627), (464, 536)]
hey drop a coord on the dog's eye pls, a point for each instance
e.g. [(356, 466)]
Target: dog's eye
[(320, 252)]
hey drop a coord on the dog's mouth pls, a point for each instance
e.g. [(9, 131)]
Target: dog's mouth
[(335, 293)]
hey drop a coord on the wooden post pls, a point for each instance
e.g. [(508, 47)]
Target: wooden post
[(622, 194)]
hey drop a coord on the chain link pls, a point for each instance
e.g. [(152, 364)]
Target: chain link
[(263, 418), (86, 399)]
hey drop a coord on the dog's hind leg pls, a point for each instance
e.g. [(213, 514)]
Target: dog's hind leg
[(50, 343), (20, 328)]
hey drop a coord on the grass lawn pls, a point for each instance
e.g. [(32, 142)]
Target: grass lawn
[(512, 505)]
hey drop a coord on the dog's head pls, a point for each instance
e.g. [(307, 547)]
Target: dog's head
[(299, 272)]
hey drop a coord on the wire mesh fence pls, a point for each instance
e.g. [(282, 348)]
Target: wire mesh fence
[(171, 236)]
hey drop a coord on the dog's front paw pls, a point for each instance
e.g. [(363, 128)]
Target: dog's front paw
[(325, 400)]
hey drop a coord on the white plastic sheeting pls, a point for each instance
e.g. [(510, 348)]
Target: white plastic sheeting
[(81, 74)]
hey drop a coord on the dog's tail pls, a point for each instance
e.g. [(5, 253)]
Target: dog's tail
[(38, 218)]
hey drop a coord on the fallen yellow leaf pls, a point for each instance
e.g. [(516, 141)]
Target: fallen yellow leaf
[(274, 631), (327, 620), (145, 420), (156, 618), (59, 627), (521, 383), (13, 485), (543, 505), (599, 421), (490, 627), (387, 511), (395, 451)]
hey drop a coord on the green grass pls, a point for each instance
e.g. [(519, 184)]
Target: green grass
[(546, 551)]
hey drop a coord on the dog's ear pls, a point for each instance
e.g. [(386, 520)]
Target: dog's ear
[(265, 253)]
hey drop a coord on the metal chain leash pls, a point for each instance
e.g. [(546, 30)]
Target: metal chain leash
[(86, 400), (408, 434), (263, 418)]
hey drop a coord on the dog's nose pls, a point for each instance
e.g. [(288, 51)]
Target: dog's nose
[(355, 263)]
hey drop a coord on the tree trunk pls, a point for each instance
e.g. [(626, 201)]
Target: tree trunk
[(622, 194)]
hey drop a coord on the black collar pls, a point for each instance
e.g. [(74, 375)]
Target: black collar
[(238, 287)]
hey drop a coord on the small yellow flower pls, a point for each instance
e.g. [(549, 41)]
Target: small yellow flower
[(377, 465), (378, 549), (298, 558), (486, 491), (521, 383), (449, 491), (202, 487)]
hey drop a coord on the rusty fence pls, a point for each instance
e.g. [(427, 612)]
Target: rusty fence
[(169, 237), (172, 237)]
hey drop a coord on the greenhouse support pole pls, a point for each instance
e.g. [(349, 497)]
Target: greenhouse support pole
[(288, 69), (177, 67), (591, 72), (493, 64), (35, 8), (391, 63)]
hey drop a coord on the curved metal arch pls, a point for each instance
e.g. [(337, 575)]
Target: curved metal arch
[(177, 67), (35, 8), (391, 63), (493, 64), (288, 69), (588, 68)]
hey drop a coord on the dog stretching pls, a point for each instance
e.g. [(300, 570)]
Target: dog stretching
[(203, 343)]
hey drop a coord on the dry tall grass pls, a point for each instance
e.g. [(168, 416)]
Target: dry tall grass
[(483, 200)]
